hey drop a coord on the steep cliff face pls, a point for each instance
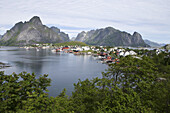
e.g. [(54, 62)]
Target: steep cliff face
[(110, 37), (31, 32), (81, 36)]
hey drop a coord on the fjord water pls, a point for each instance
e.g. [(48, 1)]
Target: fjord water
[(64, 69)]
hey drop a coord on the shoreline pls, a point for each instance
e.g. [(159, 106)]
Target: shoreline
[(4, 65)]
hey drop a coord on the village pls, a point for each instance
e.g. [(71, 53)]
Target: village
[(103, 54)]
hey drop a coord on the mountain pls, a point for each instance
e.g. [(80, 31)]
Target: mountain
[(0, 36), (32, 32), (162, 44), (111, 37), (152, 44), (73, 38)]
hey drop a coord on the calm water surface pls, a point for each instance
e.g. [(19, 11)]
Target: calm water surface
[(64, 69)]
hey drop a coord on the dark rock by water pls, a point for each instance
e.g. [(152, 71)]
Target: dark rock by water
[(4, 65)]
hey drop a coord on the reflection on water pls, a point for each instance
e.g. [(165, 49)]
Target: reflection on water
[(63, 68)]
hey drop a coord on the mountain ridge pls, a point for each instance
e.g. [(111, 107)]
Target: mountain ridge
[(151, 43), (110, 36), (33, 31)]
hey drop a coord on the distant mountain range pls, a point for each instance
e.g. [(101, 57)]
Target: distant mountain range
[(32, 32), (111, 37), (73, 38), (153, 44)]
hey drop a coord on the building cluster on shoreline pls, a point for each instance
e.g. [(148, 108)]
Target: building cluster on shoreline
[(102, 53)]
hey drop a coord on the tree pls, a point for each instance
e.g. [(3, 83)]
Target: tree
[(124, 87), (141, 75), (161, 90), (25, 93), (133, 85), (17, 88)]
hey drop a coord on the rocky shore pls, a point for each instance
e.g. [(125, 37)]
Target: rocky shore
[(4, 65)]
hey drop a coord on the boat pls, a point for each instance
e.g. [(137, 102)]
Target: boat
[(37, 49), (53, 50), (58, 50)]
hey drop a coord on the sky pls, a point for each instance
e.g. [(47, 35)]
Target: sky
[(150, 18)]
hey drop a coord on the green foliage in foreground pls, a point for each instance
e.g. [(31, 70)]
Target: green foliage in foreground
[(72, 43), (130, 86)]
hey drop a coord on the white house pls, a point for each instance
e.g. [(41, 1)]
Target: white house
[(132, 53), (121, 53), (79, 49), (126, 53), (86, 48)]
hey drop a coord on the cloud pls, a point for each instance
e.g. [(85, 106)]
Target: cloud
[(2, 30), (149, 17)]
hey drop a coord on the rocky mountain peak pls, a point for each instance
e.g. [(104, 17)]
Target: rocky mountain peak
[(55, 29), (110, 36), (36, 20), (17, 26), (83, 32), (109, 28), (31, 32), (136, 34)]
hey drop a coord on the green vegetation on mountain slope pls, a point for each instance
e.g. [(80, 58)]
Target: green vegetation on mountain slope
[(72, 43)]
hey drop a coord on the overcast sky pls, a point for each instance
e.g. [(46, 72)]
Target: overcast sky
[(151, 18)]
